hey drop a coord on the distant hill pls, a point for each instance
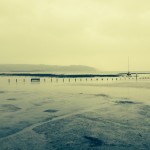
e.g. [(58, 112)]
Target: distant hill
[(46, 68)]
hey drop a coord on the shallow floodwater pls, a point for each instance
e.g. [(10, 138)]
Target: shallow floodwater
[(92, 113)]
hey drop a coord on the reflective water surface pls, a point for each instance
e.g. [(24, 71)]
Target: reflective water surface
[(92, 113)]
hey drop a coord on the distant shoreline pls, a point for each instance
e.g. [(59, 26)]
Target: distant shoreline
[(60, 75), (65, 75)]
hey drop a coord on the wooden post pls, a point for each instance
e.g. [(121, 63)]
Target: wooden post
[(136, 76)]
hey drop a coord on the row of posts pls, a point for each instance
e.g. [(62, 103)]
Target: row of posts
[(91, 79)]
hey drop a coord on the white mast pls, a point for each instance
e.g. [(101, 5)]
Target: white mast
[(128, 64), (129, 74)]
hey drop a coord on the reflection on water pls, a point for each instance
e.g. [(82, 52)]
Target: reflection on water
[(86, 110)]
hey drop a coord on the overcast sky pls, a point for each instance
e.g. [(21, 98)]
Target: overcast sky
[(98, 33)]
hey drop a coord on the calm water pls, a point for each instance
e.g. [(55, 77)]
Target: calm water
[(75, 113)]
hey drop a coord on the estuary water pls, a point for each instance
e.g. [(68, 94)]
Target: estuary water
[(82, 113)]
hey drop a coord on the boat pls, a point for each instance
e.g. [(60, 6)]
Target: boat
[(35, 79), (129, 74)]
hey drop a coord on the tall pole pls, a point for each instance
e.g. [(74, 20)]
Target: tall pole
[(128, 64)]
